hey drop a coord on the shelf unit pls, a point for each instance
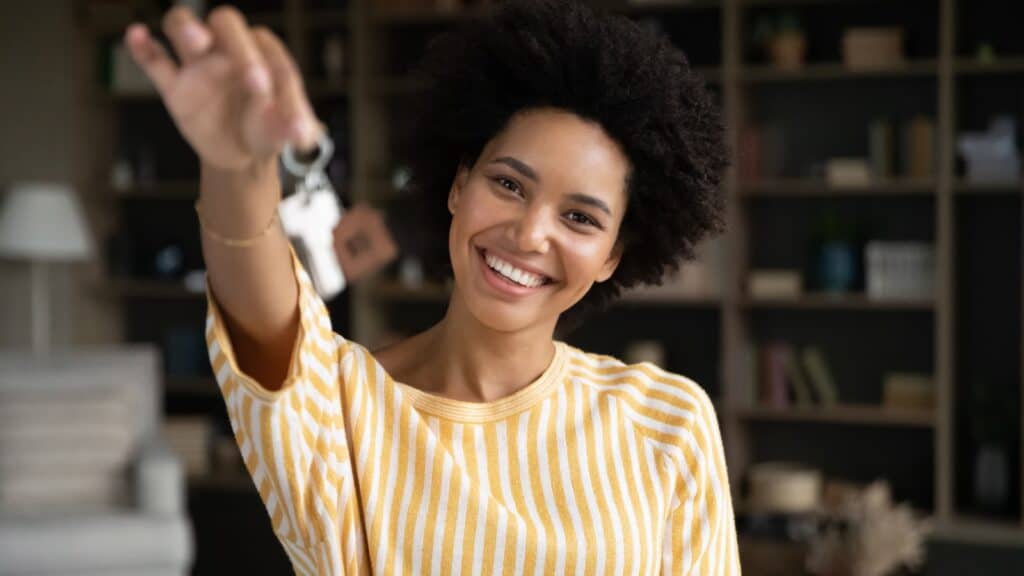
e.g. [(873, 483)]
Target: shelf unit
[(722, 324)]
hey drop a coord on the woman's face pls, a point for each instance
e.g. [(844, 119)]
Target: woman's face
[(535, 220)]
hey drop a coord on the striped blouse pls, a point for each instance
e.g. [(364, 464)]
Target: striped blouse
[(596, 467)]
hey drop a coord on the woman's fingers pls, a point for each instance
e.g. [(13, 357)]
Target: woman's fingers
[(292, 106), (231, 34), (152, 58), (187, 34)]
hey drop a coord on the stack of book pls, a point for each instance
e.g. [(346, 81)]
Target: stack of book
[(786, 377), (61, 448)]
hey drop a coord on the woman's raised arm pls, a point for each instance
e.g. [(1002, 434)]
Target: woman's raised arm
[(237, 97)]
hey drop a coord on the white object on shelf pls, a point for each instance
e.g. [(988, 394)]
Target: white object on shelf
[(991, 155), (784, 487), (779, 283), (849, 172), (873, 48), (899, 270)]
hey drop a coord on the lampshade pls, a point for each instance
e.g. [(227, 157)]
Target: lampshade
[(42, 221)]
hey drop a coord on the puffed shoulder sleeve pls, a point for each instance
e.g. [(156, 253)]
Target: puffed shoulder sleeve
[(701, 529), (293, 440)]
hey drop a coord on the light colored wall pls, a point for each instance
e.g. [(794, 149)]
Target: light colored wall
[(40, 116)]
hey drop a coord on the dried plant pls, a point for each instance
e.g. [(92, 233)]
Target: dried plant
[(871, 538)]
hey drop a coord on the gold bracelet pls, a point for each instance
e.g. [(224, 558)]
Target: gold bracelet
[(234, 242)]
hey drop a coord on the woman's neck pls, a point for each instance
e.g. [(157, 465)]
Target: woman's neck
[(475, 363)]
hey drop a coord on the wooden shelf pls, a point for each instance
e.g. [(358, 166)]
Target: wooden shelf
[(804, 187), (999, 66), (840, 414), (987, 188), (837, 71), (821, 301), (968, 529)]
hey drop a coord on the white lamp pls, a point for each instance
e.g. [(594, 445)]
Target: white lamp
[(42, 223)]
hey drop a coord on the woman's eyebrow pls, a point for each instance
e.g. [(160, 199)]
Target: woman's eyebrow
[(519, 166), (591, 201), (525, 170)]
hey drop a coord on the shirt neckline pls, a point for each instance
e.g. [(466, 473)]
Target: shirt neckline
[(477, 412)]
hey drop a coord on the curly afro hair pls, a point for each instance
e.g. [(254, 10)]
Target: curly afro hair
[(604, 68)]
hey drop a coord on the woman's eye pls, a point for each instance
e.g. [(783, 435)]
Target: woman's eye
[(507, 184), (581, 218)]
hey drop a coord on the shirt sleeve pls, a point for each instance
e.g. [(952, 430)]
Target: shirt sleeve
[(293, 440), (700, 534)]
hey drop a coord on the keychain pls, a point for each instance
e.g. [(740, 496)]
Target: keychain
[(310, 215)]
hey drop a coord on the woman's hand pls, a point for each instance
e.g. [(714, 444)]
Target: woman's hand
[(237, 96)]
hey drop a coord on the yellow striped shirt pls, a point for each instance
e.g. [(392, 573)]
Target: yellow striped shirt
[(596, 467)]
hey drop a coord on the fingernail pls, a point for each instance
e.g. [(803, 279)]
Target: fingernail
[(258, 79)]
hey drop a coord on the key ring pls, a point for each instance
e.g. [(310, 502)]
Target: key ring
[(311, 174), (325, 148)]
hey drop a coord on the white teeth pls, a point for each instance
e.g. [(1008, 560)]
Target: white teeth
[(514, 274)]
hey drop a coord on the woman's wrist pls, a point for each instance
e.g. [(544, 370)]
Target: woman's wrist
[(239, 203)]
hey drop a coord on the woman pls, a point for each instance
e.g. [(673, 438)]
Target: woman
[(572, 155)]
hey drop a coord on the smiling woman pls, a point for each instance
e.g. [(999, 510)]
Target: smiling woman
[(565, 154)]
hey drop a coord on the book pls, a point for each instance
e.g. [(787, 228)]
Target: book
[(801, 390), (820, 376), (774, 389)]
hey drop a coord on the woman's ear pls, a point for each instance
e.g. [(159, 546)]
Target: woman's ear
[(461, 176), (611, 263)]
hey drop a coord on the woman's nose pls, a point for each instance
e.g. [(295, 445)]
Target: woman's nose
[(533, 230)]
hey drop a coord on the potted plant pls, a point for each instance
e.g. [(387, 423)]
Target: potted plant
[(782, 40)]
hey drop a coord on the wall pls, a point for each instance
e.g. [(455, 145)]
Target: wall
[(40, 112)]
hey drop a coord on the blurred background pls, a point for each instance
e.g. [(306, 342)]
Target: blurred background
[(859, 325)]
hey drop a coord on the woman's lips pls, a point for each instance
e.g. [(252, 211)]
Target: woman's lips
[(502, 284)]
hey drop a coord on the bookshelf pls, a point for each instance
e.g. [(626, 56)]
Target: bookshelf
[(943, 335)]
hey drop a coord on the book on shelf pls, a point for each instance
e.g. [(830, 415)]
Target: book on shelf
[(801, 389), (774, 389), (785, 377), (820, 376)]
